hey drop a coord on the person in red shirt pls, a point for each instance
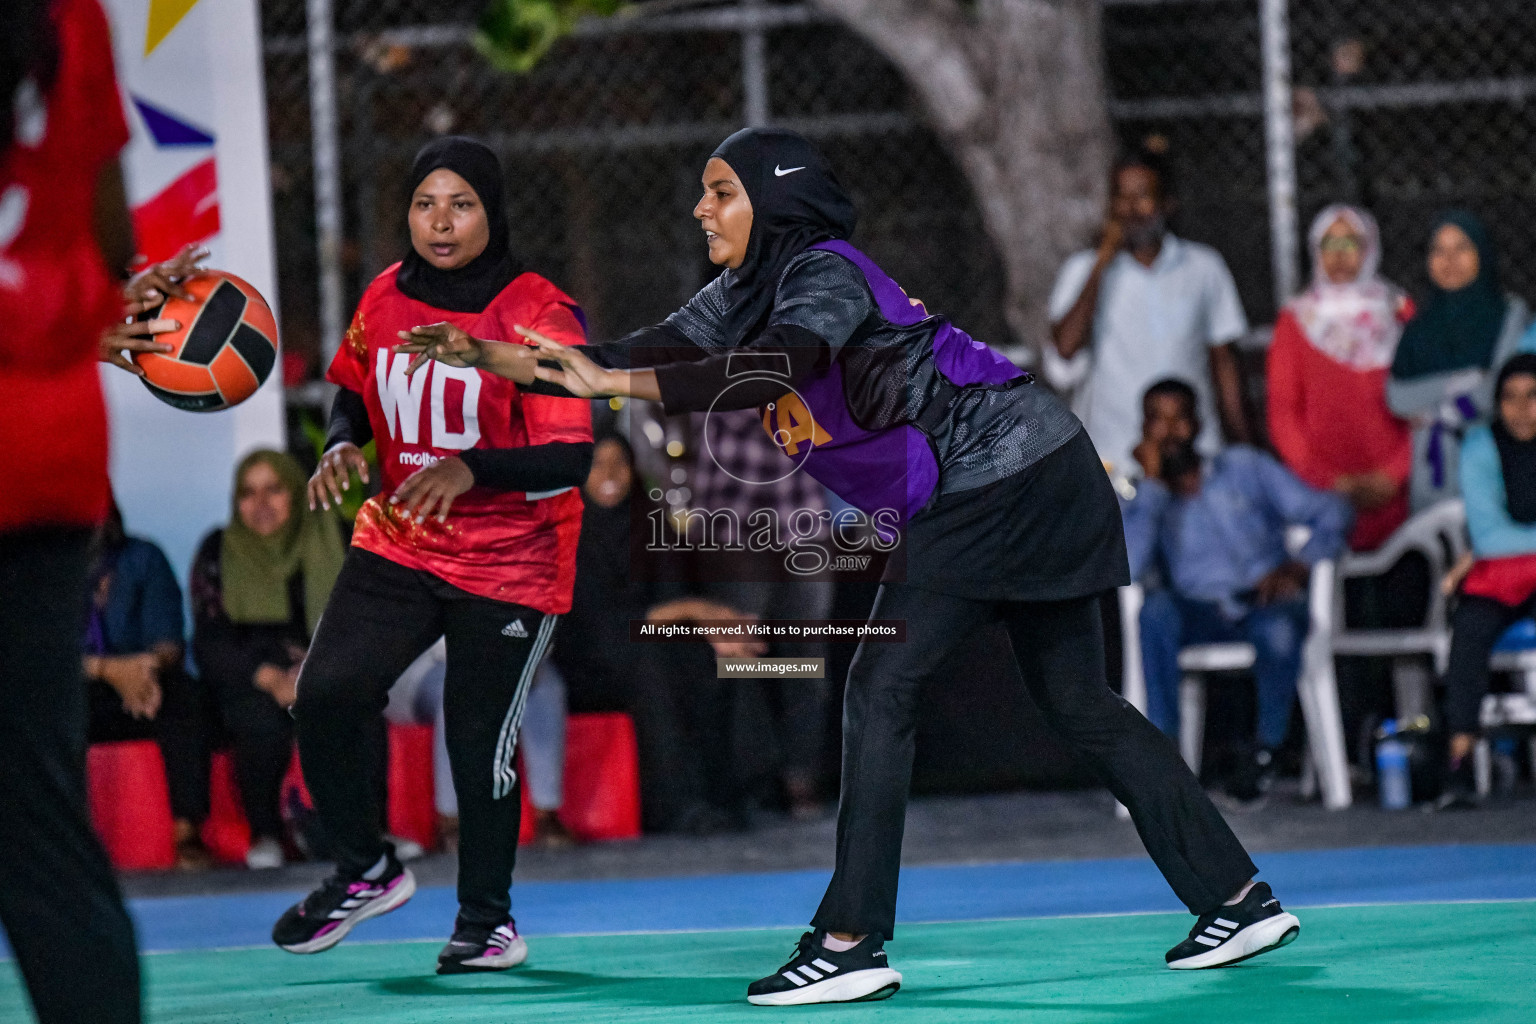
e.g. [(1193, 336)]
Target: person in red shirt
[(65, 236), (473, 536), (1328, 364)]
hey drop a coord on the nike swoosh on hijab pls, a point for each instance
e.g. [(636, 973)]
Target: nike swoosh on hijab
[(787, 216)]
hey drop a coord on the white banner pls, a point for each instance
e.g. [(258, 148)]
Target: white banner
[(191, 77)]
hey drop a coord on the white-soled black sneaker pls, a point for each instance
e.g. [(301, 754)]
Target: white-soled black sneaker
[(478, 948), (1233, 934), (816, 974)]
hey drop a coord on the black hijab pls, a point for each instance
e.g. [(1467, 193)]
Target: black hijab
[(470, 288), (1517, 459), (797, 201), (1456, 330)]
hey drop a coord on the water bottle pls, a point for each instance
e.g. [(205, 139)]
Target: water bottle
[(1392, 779)]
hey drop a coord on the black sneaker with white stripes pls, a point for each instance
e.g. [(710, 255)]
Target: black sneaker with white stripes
[(1233, 934), (325, 916), (816, 974), (475, 947)]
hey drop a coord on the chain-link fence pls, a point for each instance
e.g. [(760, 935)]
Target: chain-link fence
[(1407, 106), (1404, 106), (603, 143)]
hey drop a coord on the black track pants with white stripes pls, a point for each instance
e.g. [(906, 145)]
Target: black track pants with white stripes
[(380, 616)]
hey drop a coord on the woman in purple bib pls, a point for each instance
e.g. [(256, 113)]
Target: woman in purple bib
[(1005, 512)]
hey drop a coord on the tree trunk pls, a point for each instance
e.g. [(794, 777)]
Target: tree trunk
[(1015, 88)]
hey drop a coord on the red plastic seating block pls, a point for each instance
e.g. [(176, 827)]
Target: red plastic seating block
[(602, 779), (412, 809), (130, 804), (226, 833)]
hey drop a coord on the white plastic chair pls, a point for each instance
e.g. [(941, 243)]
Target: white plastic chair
[(1439, 533), (1317, 687), (1500, 710)]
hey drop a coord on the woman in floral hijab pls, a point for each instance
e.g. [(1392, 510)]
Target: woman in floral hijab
[(1328, 365)]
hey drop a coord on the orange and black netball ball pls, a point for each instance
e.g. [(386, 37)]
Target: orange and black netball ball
[(224, 350)]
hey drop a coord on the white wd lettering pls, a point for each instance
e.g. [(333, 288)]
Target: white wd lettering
[(442, 437), (401, 396)]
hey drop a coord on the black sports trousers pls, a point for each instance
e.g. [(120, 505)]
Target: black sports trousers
[(59, 901), (1059, 646), (1475, 629), (380, 616)]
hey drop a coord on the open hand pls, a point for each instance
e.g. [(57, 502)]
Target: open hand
[(576, 373), (441, 341), (134, 335), (158, 280), (333, 475), (431, 491)]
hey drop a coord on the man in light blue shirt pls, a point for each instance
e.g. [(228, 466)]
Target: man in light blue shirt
[(1217, 532)]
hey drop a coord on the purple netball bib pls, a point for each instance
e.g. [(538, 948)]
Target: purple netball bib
[(873, 470)]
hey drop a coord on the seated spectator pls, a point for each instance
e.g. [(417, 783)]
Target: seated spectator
[(139, 688), (1498, 481), (680, 709), (1145, 305), (1218, 532), (1333, 344), (1442, 373), (258, 588), (1330, 422)]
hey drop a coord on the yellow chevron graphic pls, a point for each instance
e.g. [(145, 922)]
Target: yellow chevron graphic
[(164, 16)]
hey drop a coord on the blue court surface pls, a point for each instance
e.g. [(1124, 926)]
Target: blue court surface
[(1442, 933), (968, 892)]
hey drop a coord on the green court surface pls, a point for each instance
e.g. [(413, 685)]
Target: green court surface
[(1398, 963)]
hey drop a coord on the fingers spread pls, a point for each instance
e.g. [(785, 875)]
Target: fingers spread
[(551, 347), (144, 345), (535, 336), (406, 494), (119, 360)]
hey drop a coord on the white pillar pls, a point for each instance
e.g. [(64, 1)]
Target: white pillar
[(327, 160), (1279, 146)]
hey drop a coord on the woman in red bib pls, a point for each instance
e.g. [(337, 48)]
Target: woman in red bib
[(472, 536)]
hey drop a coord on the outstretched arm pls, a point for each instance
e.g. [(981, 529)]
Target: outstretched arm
[(567, 367), (742, 379), (448, 344)]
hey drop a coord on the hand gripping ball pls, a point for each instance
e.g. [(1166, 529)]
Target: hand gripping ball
[(224, 350)]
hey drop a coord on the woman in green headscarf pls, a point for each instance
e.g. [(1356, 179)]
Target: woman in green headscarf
[(258, 587), (1442, 373)]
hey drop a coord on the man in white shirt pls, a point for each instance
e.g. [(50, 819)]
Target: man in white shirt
[(1144, 306)]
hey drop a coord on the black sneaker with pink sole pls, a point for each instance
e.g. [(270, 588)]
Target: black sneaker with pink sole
[(325, 916)]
